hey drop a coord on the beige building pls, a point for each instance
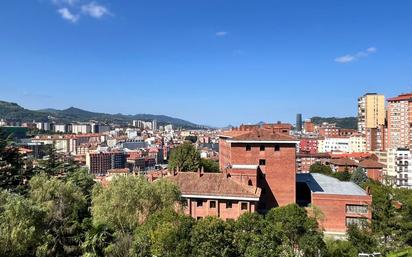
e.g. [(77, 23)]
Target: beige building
[(371, 111), (357, 143)]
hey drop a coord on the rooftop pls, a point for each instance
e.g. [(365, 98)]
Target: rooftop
[(258, 135), (213, 184), (322, 184)]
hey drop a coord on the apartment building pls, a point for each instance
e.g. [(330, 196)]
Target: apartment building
[(371, 111), (399, 116), (101, 162)]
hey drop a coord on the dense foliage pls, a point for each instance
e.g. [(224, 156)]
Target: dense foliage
[(59, 211), (186, 157), (346, 122)]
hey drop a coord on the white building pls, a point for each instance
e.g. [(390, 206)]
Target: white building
[(333, 144), (81, 128), (60, 128), (43, 126), (357, 143), (403, 168)]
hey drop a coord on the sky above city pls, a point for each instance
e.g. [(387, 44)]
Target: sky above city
[(212, 62)]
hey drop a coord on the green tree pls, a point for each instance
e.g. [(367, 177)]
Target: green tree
[(254, 237), (53, 164), (166, 233), (342, 176), (184, 157), (21, 226), (299, 233), (320, 168), (64, 205), (209, 165), (339, 248), (97, 239), (362, 239), (359, 177), (14, 171), (128, 201), (211, 237)]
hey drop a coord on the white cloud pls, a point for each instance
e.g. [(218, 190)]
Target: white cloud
[(221, 33), (64, 2), (353, 57), (95, 10), (67, 15)]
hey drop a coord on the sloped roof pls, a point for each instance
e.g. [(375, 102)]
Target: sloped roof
[(322, 184), (371, 164), (343, 162), (213, 184)]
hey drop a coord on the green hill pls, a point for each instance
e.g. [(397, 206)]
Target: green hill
[(13, 111), (346, 122)]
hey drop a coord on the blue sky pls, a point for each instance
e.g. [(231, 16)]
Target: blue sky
[(214, 62)]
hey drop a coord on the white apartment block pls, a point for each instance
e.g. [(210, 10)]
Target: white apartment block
[(357, 143), (403, 168), (333, 144), (81, 128)]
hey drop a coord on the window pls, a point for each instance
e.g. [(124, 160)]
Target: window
[(248, 148), (262, 162), (228, 205), (199, 218), (243, 206), (199, 203), (358, 209), (277, 148), (212, 204), (262, 148), (356, 221)]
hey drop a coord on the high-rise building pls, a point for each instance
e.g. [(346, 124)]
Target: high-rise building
[(371, 111), (399, 121), (154, 124), (299, 122)]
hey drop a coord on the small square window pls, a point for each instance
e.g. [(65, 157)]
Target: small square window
[(248, 148), (262, 162), (199, 218), (243, 206), (212, 204), (199, 203), (228, 205), (262, 148), (277, 148)]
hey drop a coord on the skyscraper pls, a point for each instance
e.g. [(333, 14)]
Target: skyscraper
[(299, 122)]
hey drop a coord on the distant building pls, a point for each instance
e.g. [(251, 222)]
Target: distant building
[(299, 122), (81, 128), (399, 121), (308, 126), (371, 111), (62, 128), (101, 162)]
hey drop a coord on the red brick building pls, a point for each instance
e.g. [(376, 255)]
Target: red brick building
[(373, 169), (217, 194), (273, 152), (341, 203), (305, 160)]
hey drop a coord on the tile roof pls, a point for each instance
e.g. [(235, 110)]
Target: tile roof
[(403, 97), (258, 135), (343, 162), (371, 164), (212, 184)]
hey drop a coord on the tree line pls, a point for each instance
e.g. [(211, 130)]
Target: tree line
[(56, 209)]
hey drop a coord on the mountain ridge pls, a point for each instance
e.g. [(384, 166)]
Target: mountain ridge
[(10, 110)]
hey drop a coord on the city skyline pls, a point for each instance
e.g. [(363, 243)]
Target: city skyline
[(214, 63)]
